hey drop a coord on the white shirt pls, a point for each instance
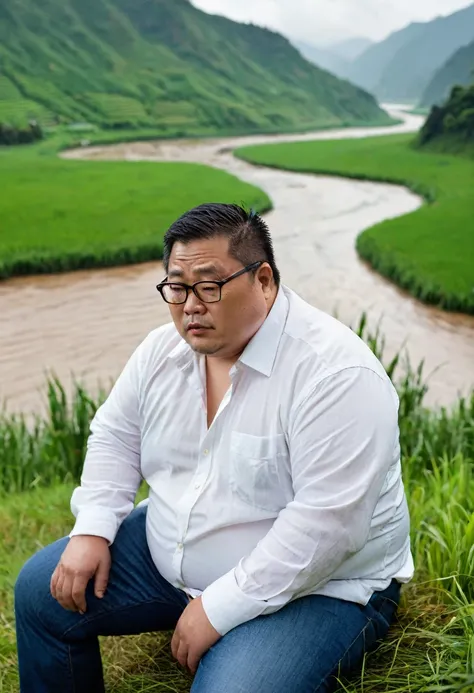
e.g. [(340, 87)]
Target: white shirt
[(295, 488)]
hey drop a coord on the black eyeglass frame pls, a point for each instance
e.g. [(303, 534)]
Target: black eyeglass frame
[(220, 283)]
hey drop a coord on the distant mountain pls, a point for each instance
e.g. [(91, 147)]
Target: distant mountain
[(459, 69), (324, 58), (350, 49), (162, 64), (401, 67), (335, 58), (368, 68)]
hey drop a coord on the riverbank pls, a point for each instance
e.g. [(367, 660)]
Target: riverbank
[(61, 226), (88, 322), (59, 215), (430, 645), (429, 252)]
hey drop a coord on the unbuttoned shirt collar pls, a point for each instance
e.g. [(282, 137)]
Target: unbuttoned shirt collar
[(260, 353)]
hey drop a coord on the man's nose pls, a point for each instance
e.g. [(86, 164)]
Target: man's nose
[(193, 304)]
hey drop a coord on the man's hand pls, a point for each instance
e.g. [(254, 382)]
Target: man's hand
[(193, 635), (83, 557)]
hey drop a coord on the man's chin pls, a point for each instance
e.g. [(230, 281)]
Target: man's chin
[(201, 347)]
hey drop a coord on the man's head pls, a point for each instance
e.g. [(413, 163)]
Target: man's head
[(210, 243)]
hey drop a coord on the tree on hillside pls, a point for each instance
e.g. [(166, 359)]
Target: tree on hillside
[(455, 117), (10, 134)]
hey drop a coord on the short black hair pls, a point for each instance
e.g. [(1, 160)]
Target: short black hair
[(248, 234)]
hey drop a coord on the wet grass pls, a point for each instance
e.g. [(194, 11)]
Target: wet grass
[(58, 215), (431, 647), (429, 252)]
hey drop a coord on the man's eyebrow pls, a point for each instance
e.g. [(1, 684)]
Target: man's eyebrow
[(203, 270)]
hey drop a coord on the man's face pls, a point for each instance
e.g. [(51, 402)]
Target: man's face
[(220, 329)]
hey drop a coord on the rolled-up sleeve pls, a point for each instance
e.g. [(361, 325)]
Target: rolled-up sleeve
[(342, 439), (111, 474)]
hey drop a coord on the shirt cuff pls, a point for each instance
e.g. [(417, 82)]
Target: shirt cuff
[(96, 522), (226, 606)]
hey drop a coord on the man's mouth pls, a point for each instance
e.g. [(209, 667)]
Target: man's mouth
[(196, 328)]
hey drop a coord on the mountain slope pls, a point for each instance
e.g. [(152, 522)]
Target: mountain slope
[(367, 69), (409, 72), (401, 67), (335, 58), (324, 58), (459, 69), (350, 49), (161, 63)]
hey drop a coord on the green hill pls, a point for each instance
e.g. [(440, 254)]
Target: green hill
[(161, 64), (450, 127), (401, 67), (459, 69)]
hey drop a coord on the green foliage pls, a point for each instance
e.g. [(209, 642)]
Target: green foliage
[(59, 215), (454, 118), (431, 647), (428, 252), (14, 135), (47, 451), (124, 63)]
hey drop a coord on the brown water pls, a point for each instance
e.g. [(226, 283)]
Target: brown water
[(88, 322)]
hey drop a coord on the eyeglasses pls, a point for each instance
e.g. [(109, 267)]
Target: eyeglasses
[(207, 292)]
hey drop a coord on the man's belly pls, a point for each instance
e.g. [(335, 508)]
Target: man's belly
[(194, 560)]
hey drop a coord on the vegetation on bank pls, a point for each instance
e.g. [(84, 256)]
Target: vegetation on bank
[(430, 649), (428, 252), (58, 215), (451, 122), (10, 135)]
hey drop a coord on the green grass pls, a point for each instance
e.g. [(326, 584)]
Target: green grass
[(429, 252), (431, 647), (59, 215)]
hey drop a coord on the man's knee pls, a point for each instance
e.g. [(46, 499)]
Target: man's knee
[(32, 586)]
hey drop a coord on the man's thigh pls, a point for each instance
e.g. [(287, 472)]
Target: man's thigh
[(137, 599), (295, 650)]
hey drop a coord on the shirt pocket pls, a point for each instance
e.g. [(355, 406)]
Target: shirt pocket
[(255, 470)]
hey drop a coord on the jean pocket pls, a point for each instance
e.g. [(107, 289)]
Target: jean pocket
[(255, 470)]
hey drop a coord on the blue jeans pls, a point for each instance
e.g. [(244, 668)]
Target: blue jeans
[(295, 650)]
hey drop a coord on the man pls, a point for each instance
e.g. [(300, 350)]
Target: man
[(276, 532)]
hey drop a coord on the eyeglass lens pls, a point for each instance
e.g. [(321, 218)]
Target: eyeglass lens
[(208, 292)]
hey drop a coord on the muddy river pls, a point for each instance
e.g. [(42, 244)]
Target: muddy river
[(87, 323)]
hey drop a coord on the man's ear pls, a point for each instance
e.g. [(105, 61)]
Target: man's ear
[(265, 277)]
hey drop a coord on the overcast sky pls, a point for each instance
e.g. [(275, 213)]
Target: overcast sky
[(325, 21)]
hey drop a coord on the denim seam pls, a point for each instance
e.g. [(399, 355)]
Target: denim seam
[(71, 671), (333, 668), (91, 619)]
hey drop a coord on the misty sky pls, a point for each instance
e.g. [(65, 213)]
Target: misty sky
[(326, 21)]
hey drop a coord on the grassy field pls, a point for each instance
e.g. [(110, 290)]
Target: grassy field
[(58, 215), (429, 650), (429, 252)]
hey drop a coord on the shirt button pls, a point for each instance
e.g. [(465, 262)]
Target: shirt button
[(180, 546), (206, 452)]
